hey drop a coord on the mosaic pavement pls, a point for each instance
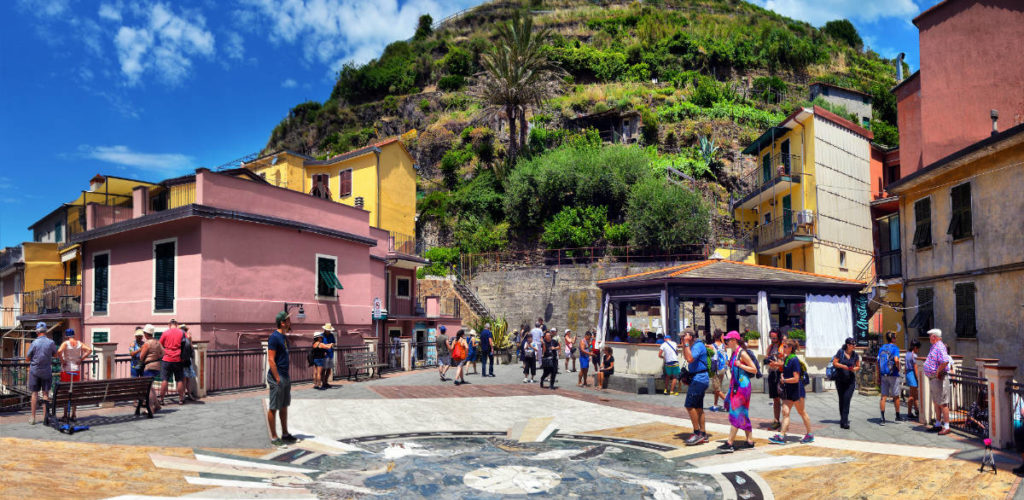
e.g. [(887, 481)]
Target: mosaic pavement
[(490, 442)]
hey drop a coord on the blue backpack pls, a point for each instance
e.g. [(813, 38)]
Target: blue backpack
[(887, 356)]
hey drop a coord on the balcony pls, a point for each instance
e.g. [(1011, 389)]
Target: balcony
[(424, 307), (888, 264), (401, 243), (57, 298), (792, 229), (763, 182)]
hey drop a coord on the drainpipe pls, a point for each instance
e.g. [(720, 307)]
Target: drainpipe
[(376, 152), (899, 67)]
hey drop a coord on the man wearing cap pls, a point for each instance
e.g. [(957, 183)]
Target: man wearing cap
[(40, 375), (134, 349), (71, 354), (696, 355), (487, 350), (443, 348), (328, 341), (171, 366), (278, 380), (936, 368)]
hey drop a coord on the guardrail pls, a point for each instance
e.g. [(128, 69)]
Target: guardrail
[(968, 408), (491, 261), (61, 297), (779, 166), (236, 368)]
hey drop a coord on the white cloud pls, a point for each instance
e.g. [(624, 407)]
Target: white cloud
[(289, 84), (165, 44), (818, 12), (234, 46), (332, 32), (110, 12), (45, 8), (165, 163)]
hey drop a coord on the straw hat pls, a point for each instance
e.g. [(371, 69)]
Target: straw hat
[(328, 328)]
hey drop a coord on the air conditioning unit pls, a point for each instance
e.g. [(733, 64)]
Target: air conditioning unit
[(805, 217)]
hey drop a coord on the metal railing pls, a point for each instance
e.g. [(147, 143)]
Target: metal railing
[(887, 264), (968, 408), (402, 243), (298, 367), (469, 264), (56, 297), (781, 166), (236, 368), (791, 222)]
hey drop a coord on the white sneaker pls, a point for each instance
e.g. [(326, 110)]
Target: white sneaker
[(526, 381), (532, 381)]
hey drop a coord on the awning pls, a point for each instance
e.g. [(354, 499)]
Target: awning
[(331, 279)]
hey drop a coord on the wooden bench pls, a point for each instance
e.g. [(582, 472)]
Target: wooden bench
[(94, 392), (362, 360)]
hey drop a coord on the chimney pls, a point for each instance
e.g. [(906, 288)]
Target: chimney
[(995, 121), (899, 67)]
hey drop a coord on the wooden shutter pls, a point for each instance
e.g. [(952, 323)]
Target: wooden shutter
[(345, 189), (925, 303), (965, 317), (163, 290), (923, 222), (960, 216), (101, 272)]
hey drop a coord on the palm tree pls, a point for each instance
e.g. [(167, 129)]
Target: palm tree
[(517, 75)]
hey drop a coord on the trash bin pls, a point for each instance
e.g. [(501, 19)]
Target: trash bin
[(818, 383)]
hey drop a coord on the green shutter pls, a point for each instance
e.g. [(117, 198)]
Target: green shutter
[(326, 281), (965, 314), (960, 216), (163, 290), (101, 267), (925, 309), (923, 219)]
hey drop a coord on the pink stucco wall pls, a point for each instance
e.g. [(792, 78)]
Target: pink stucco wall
[(971, 62)]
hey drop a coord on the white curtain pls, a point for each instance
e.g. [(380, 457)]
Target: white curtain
[(829, 323), (602, 322), (664, 314), (764, 320)]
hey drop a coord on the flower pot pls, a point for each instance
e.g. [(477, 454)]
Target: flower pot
[(752, 343)]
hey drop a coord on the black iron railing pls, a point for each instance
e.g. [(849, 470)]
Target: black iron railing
[(299, 369), (969, 405), (58, 296), (887, 264)]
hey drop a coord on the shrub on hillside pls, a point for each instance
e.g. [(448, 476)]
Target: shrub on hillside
[(843, 30), (451, 162), (458, 61), (649, 129), (451, 83), (434, 143), (575, 227), (476, 235), (885, 134), (664, 217), (442, 260), (707, 91), (617, 234)]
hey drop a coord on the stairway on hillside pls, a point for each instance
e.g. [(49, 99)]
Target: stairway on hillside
[(471, 298)]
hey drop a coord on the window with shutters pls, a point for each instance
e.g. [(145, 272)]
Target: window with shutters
[(924, 319), (164, 254), (321, 187), (966, 327), (327, 282), (100, 282), (345, 183), (923, 223), (960, 216)]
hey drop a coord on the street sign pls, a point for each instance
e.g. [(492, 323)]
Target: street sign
[(378, 312)]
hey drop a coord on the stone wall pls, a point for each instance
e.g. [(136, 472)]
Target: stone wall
[(444, 288), (565, 296)]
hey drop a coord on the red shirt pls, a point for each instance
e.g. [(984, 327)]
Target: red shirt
[(171, 342)]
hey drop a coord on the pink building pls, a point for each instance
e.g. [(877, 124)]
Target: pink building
[(224, 252), (971, 63)]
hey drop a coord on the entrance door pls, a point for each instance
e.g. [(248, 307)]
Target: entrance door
[(787, 215), (766, 168), (784, 154)]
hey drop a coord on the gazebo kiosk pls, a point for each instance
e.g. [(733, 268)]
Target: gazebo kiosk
[(726, 295)]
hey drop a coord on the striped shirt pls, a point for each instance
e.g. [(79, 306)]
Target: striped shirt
[(936, 356)]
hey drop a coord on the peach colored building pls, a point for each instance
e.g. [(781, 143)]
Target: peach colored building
[(226, 251)]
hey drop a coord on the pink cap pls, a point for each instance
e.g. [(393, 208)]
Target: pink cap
[(733, 335)]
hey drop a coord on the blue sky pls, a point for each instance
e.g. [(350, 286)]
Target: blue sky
[(150, 90)]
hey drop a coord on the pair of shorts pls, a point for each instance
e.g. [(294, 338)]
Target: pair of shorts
[(151, 373), (891, 386), (170, 369), (940, 390), (1018, 437), (773, 385), (39, 383), (280, 392), (695, 394), (717, 381), (319, 362), (672, 370), (458, 362), (189, 371), (444, 360), (608, 373), (585, 363), (793, 392), (67, 377)]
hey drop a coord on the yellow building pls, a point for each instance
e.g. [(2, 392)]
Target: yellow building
[(380, 177), (24, 272), (805, 205)]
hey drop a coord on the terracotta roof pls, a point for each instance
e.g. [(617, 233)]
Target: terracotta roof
[(730, 271)]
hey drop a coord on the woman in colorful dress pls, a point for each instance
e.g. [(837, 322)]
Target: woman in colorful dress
[(741, 367)]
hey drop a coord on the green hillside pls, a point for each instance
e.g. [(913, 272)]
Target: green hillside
[(705, 76)]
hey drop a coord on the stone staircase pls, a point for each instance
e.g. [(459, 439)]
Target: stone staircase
[(471, 298)]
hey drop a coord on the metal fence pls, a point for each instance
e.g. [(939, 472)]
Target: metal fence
[(299, 369), (495, 261), (1015, 391), (13, 383), (968, 408), (236, 368)]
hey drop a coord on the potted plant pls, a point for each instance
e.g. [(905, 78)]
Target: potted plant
[(751, 337), (799, 335), (634, 335)]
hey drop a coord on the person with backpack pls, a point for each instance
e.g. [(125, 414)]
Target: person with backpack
[(742, 365), (845, 364), (549, 359), (460, 349), (188, 369), (887, 374), (696, 355), (318, 355), (719, 369), (912, 376), (474, 347), (774, 362), (794, 377), (529, 357)]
